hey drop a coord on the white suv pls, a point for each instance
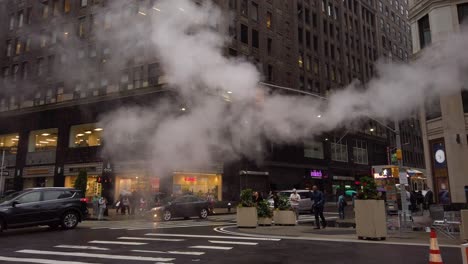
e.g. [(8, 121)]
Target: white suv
[(305, 204)]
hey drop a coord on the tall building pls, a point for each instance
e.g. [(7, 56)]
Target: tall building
[(444, 121), (64, 63)]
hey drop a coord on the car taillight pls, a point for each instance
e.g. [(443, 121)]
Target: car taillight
[(84, 200)]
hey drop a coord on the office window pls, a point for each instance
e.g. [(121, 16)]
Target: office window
[(316, 67), (300, 35), (66, 6), (315, 43), (24, 70), (9, 48), (244, 8), (233, 4), (15, 72), (339, 150), (308, 39), (314, 20), (45, 9), (307, 62), (43, 140), (9, 143), (360, 152), (424, 31), (269, 45), (40, 66), (307, 16), (28, 15), (84, 3), (20, 19), (55, 6), (462, 12), (254, 12), (464, 96), (270, 72), (269, 19), (313, 149), (85, 135), (433, 109), (255, 40), (244, 34), (81, 27), (18, 46), (300, 61), (380, 6)]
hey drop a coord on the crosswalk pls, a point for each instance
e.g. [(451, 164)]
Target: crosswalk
[(145, 248)]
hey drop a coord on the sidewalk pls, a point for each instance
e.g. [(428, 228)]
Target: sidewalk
[(307, 231)]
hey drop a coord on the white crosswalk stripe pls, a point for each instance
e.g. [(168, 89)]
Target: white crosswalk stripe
[(81, 247), (233, 242), (152, 239), (117, 243), (212, 247), (40, 261), (170, 252), (209, 236), (91, 255)]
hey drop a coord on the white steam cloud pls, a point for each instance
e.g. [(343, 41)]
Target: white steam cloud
[(188, 41)]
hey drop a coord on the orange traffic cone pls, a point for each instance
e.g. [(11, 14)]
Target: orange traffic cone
[(434, 251)]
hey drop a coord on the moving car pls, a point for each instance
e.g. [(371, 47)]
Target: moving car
[(54, 206), (183, 206), (305, 204)]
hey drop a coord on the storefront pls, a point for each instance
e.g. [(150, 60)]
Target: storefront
[(38, 176), (8, 181), (93, 170), (133, 176), (346, 184), (200, 184), (315, 177)]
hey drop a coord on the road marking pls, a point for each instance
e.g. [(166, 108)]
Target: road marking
[(98, 227), (80, 247), (116, 228), (41, 261), (170, 252), (212, 247), (233, 242), (117, 243), (152, 239), (222, 237), (344, 240), (89, 255)]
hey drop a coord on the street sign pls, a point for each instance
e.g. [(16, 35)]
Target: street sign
[(403, 178)]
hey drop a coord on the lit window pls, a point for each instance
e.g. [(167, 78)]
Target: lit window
[(43, 140), (339, 150), (18, 47), (66, 6), (85, 135), (9, 143), (300, 61), (20, 18)]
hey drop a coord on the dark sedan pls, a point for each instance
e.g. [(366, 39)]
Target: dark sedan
[(184, 206), (53, 206)]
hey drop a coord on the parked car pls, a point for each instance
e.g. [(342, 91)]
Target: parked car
[(54, 206), (305, 204), (183, 206)]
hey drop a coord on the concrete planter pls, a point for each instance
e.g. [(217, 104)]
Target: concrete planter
[(371, 222), (246, 217), (264, 221), (284, 217)]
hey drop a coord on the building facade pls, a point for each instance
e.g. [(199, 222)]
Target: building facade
[(444, 121), (63, 65)]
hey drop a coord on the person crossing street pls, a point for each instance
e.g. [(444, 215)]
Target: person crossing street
[(319, 203)]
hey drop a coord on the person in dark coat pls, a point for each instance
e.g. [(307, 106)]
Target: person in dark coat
[(428, 199), (319, 204)]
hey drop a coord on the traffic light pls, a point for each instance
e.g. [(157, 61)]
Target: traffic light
[(99, 180), (399, 155)]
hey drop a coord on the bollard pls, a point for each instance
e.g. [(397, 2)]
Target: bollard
[(229, 207), (464, 249)]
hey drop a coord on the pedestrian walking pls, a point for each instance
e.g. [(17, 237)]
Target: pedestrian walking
[(319, 203), (257, 197), (95, 202), (102, 207), (294, 199), (125, 205), (341, 205), (428, 199)]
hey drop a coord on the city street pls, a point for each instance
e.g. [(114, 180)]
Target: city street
[(193, 241)]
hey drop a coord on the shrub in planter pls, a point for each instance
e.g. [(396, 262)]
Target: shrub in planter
[(246, 210), (284, 215), (264, 213), (370, 212)]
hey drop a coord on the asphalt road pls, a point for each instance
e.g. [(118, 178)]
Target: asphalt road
[(199, 244)]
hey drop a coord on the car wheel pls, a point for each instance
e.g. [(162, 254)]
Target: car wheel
[(167, 215), (70, 220), (203, 213)]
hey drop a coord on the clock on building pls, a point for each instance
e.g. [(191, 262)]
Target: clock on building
[(440, 156)]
